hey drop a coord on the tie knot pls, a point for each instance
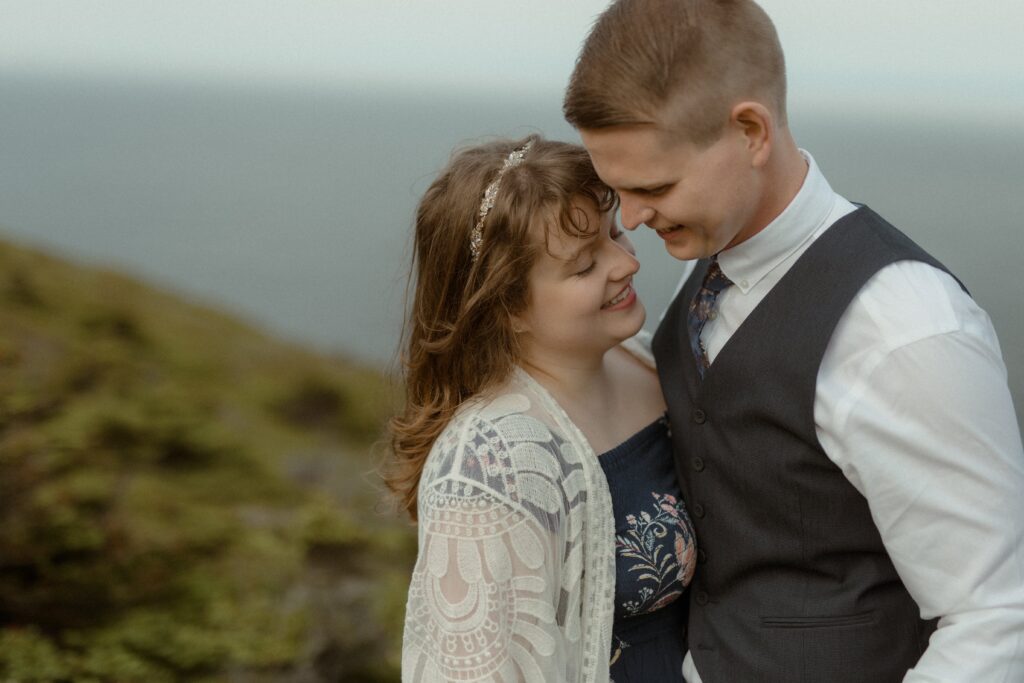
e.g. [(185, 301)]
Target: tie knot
[(715, 280), (702, 309)]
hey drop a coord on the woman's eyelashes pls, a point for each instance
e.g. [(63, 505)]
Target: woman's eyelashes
[(614, 233), (587, 270)]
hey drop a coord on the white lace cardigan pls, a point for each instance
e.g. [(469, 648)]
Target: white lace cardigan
[(515, 578)]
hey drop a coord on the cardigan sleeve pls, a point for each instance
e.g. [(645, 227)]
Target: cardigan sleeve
[(487, 600)]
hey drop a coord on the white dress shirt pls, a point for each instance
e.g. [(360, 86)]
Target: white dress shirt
[(912, 404)]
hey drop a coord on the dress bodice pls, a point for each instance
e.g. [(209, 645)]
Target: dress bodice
[(655, 557)]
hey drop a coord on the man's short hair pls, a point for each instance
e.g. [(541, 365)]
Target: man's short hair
[(679, 63)]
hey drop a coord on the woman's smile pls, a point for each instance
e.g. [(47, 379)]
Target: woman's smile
[(624, 299)]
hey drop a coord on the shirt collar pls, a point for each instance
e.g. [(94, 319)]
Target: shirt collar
[(750, 261)]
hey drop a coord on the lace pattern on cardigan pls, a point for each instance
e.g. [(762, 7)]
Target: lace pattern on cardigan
[(499, 591)]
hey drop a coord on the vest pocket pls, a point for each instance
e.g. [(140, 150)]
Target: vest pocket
[(838, 621)]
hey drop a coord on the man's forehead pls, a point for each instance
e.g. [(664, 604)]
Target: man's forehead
[(638, 136), (628, 157)]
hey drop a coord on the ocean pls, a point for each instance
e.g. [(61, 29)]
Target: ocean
[(293, 208)]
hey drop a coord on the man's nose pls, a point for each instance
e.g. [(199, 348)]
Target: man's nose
[(634, 213)]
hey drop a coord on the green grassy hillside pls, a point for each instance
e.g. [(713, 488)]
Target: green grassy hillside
[(183, 498)]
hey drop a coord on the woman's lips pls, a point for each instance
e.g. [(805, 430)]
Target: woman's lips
[(623, 299)]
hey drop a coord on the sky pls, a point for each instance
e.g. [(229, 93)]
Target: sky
[(948, 56)]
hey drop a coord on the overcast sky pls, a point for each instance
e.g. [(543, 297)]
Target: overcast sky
[(935, 54)]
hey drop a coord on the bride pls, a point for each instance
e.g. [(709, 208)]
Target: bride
[(539, 560)]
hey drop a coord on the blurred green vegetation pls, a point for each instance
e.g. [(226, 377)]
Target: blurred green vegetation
[(183, 498)]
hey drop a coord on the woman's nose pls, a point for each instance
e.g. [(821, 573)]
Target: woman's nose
[(625, 263)]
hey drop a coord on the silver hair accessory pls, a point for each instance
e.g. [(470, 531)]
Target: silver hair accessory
[(476, 238)]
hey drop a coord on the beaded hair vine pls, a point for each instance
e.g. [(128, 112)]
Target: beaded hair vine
[(476, 238)]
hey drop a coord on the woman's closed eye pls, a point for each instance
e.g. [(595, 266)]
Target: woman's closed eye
[(586, 270)]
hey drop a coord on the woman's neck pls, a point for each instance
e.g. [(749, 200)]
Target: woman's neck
[(609, 396), (581, 383)]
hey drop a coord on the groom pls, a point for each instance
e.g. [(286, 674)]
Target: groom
[(841, 420)]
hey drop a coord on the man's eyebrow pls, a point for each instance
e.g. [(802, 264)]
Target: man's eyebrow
[(646, 188)]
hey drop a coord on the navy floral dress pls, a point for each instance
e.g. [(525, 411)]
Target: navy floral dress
[(655, 558)]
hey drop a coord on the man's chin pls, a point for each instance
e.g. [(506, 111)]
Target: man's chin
[(680, 243), (684, 250)]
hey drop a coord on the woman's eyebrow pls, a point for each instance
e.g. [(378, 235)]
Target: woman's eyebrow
[(585, 243), (575, 254)]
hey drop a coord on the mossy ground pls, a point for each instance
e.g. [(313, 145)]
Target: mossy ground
[(183, 498)]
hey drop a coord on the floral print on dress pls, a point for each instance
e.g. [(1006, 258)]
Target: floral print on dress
[(659, 552), (618, 645)]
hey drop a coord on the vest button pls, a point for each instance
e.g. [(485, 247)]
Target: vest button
[(702, 598), (699, 416), (698, 510), (698, 464), (702, 557)]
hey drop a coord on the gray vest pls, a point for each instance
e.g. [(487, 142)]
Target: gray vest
[(793, 582)]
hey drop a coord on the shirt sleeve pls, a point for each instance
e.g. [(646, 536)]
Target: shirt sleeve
[(485, 590), (927, 433)]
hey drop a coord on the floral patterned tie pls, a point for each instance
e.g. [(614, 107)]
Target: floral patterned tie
[(702, 309)]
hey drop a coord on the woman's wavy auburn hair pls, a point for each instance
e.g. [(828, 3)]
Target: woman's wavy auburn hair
[(459, 338)]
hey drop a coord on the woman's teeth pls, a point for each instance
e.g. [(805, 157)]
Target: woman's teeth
[(619, 298)]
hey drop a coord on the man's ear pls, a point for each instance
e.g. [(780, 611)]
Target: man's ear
[(757, 125)]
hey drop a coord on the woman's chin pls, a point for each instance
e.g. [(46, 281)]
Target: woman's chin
[(635, 322)]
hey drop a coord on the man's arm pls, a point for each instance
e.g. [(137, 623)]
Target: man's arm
[(924, 427)]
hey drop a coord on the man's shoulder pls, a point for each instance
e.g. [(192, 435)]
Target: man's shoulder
[(909, 300)]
